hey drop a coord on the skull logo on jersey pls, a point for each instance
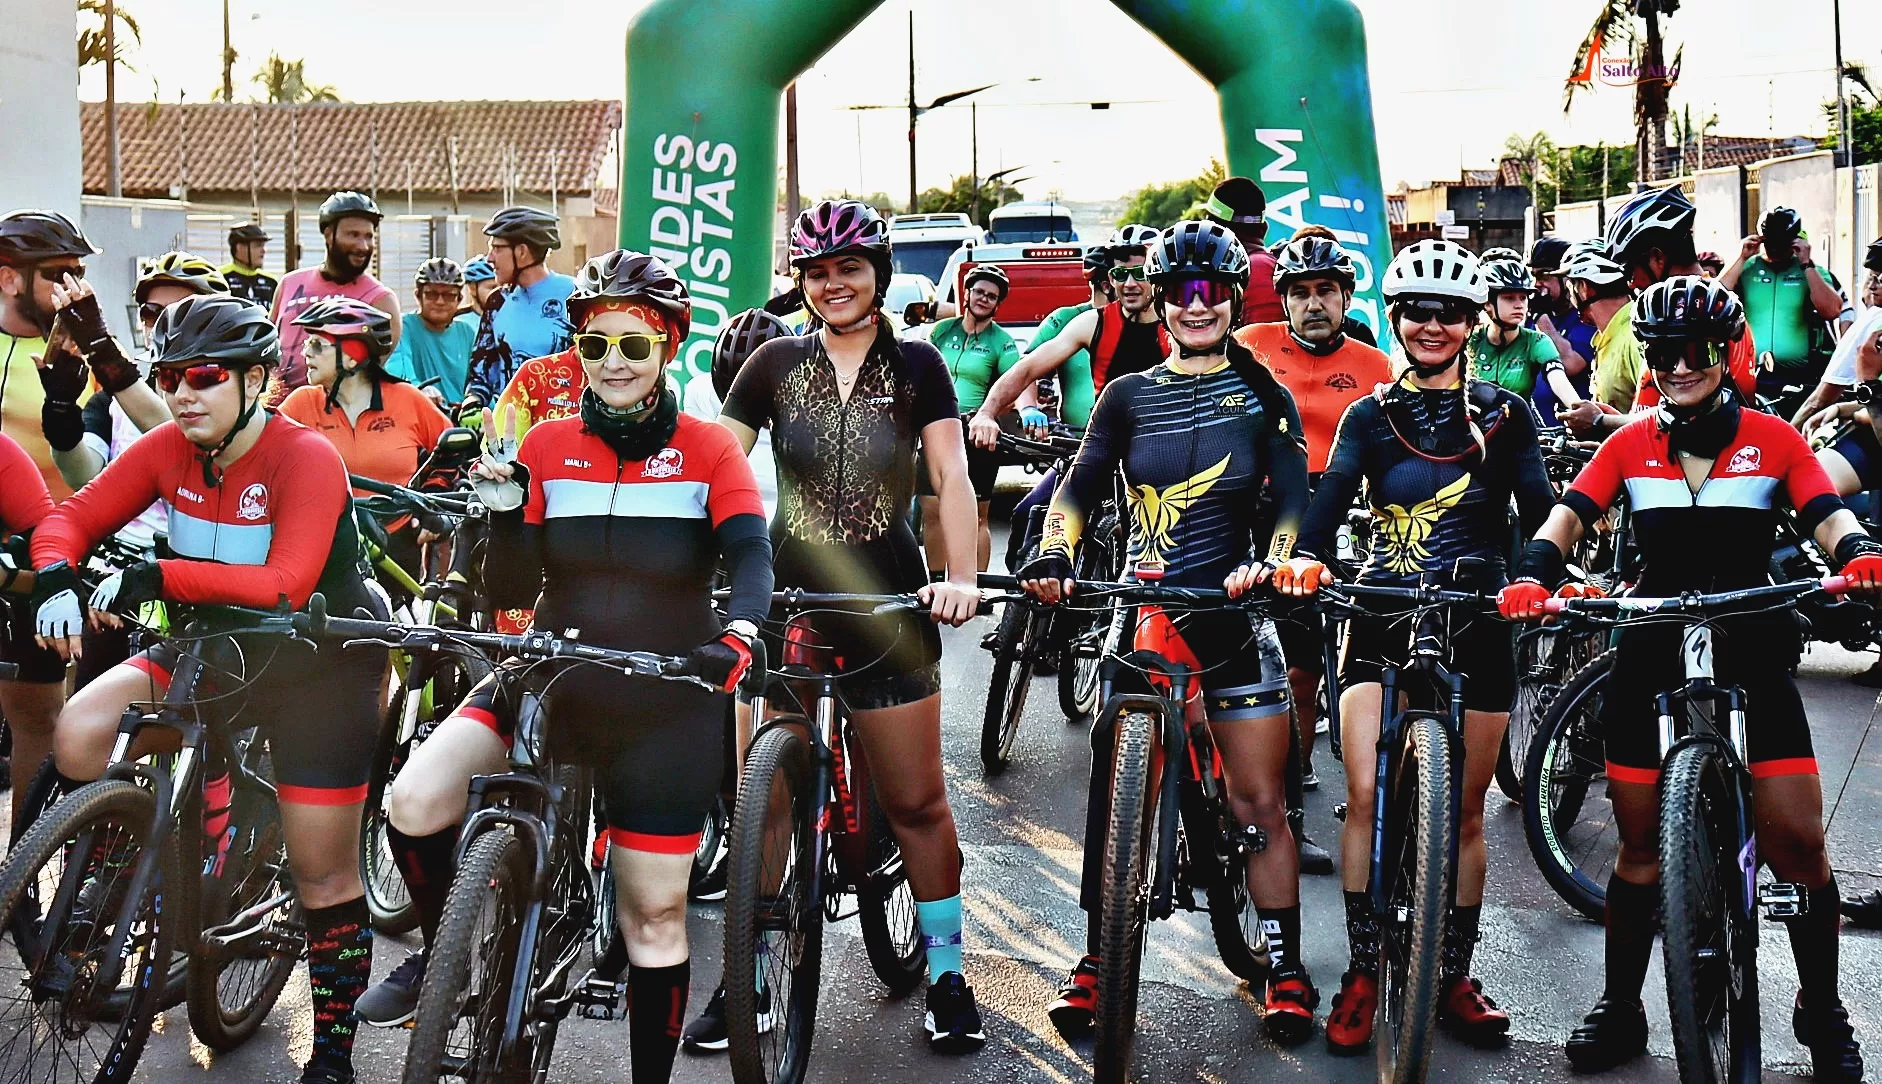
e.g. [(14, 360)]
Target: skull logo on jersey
[(667, 463), (1744, 461), (254, 503)]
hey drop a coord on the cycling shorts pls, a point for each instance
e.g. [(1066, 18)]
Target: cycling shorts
[(1482, 650), (41, 666), (885, 661), (1303, 640), (1757, 659), (319, 711), (983, 470), (1858, 446), (655, 746), (1238, 655)]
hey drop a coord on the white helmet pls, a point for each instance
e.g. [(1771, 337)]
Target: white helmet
[(1436, 269), (1589, 262)]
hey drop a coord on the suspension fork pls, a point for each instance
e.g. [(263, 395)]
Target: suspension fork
[(1173, 743), (1391, 724)]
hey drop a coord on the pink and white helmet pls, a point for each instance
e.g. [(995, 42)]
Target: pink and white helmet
[(832, 226), (339, 318)]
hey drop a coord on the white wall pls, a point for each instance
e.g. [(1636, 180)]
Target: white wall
[(39, 143), (1719, 194), (1577, 221), (1806, 183)]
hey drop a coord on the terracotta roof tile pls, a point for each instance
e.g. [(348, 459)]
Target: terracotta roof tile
[(228, 147)]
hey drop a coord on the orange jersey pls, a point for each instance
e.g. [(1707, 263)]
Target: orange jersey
[(1322, 387), (391, 437), (1741, 361), (542, 390)]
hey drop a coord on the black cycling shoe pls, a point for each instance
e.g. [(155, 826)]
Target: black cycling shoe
[(1613, 1034), (1864, 910), (1835, 1055), (321, 1073)]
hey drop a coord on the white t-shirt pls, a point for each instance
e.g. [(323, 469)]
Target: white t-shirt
[(1842, 367), (701, 402)]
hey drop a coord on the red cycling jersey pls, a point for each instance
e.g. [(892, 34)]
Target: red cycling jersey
[(279, 524), (24, 500)]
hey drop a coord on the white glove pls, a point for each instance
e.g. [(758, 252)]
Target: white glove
[(500, 457), (107, 592), (59, 617)]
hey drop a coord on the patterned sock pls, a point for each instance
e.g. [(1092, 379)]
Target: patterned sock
[(1460, 939), (1362, 934), (941, 931), (1633, 917), (656, 1015), (426, 863), (217, 794), (1813, 945), (339, 963), (1282, 927)]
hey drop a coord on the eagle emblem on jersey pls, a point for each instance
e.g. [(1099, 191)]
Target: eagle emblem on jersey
[(1157, 511), (1405, 532)]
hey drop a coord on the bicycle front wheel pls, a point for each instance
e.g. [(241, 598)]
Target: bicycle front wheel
[(1419, 880), (774, 910), (1710, 944), (68, 1015), (458, 1032), (1124, 899), (1007, 689), (1568, 820), (885, 908), (1078, 670)]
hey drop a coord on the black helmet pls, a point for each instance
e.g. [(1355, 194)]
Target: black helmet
[(626, 275), (993, 273), (1098, 260), (349, 318), (193, 273), (27, 237), (215, 327), (1781, 222), (247, 231), (1198, 250), (348, 204), (1655, 209), (438, 271), (1130, 239), (1500, 252), (539, 230), (1312, 257), (1238, 200), (741, 335), (1545, 256), (1688, 307), (1872, 259), (1507, 276)]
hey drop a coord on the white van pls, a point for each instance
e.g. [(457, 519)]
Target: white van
[(921, 244), (1031, 221)]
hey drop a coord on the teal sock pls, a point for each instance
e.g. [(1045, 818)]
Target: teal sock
[(941, 933)]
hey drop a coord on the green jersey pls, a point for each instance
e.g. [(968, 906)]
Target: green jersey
[(1075, 387), (974, 361), (1783, 322), (1516, 365)]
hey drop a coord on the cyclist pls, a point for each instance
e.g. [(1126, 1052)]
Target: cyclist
[(260, 511), (1326, 370), (976, 350), (617, 518), (481, 287), (437, 340), (382, 427), (1197, 438), (349, 221), (1441, 456), (1239, 204), (248, 250), (1705, 468), (532, 321), (1507, 354), (1598, 287), (842, 526), (1353, 328), (1553, 312), (1841, 374), (1790, 305)]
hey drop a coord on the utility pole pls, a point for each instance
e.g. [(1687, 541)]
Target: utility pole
[(974, 112), (913, 206), (114, 183), (793, 191), (1844, 145), (228, 57)]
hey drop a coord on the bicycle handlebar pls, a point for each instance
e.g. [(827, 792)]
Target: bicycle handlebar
[(1055, 446), (1693, 603)]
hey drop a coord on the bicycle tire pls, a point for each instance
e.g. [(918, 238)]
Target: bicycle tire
[(1712, 1001), (1565, 757), (1533, 675), (885, 909), (1123, 918), (1420, 884), (1234, 922), (777, 768), (493, 879), (1006, 688), (386, 895), (711, 841), (1078, 675), (94, 806)]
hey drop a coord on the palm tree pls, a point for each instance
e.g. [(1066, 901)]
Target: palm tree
[(285, 82), (1688, 134), (1532, 153), (1614, 25), (95, 44)]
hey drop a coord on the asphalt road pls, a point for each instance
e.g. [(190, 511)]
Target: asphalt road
[(1020, 832)]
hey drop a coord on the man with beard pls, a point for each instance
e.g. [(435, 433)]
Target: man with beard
[(349, 221), (38, 251)]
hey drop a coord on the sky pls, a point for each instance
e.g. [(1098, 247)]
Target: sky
[(1451, 79)]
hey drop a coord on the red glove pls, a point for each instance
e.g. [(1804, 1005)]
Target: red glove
[(1864, 572), (722, 661), (1521, 600), (1580, 590)]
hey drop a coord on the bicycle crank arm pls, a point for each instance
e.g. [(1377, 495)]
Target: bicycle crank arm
[(251, 943)]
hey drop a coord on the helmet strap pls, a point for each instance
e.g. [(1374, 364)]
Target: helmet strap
[(212, 474), (1319, 350)]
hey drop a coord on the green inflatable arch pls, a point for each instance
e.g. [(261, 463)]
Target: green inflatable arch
[(700, 146)]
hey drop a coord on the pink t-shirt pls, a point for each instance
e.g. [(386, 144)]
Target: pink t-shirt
[(300, 289)]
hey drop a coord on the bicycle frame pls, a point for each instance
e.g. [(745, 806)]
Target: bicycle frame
[(1428, 659)]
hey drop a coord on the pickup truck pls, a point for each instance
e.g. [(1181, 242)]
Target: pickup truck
[(1045, 277)]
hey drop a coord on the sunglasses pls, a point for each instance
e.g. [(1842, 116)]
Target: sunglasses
[(634, 346), (1128, 273), (57, 274), (1447, 312), (1699, 355), (149, 311), (1184, 292), (440, 294), (200, 377)]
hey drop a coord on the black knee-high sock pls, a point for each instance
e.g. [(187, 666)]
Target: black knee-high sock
[(1460, 939), (1282, 927), (1362, 934), (427, 865), (339, 964), (1813, 945), (1633, 917), (656, 1014)]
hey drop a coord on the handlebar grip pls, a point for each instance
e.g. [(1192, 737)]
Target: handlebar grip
[(1554, 605), (1835, 585)]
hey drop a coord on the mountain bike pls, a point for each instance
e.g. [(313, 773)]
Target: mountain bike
[(1709, 894)]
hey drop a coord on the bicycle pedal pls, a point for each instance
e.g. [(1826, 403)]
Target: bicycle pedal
[(1783, 901), (600, 999), (1339, 811), (1087, 647)]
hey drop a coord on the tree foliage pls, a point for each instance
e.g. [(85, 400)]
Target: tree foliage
[(1568, 174), (959, 197), (284, 82), (91, 38), (1161, 205), (1615, 31)]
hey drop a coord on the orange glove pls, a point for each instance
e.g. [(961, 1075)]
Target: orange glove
[(1580, 590), (1521, 600), (1301, 576)]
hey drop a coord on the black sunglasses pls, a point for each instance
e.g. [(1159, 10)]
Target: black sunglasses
[(1448, 311), (1664, 355)]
